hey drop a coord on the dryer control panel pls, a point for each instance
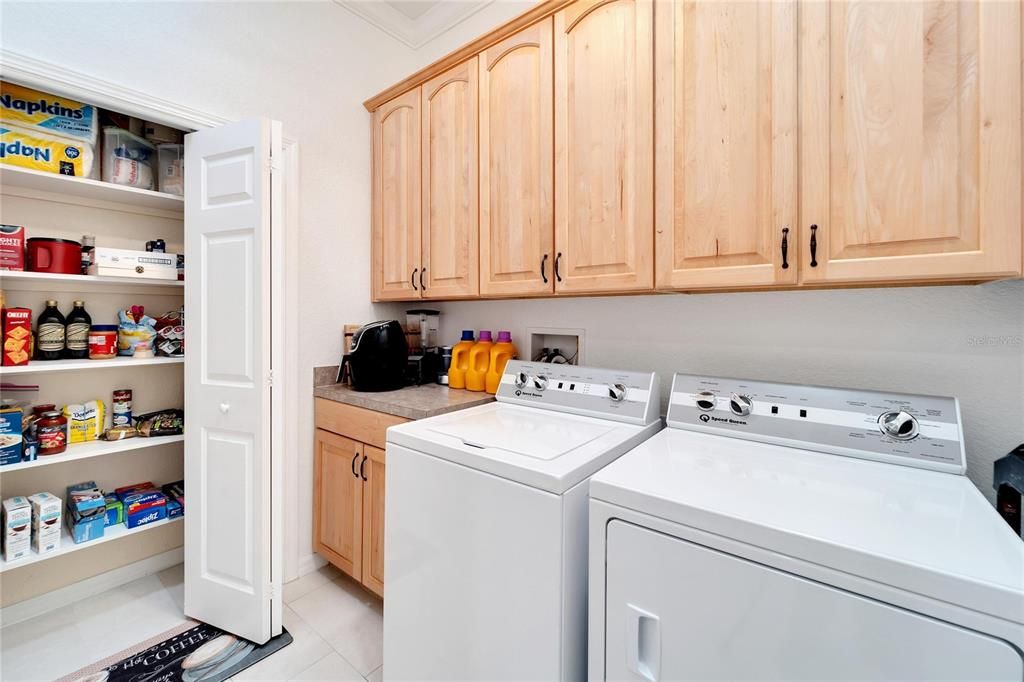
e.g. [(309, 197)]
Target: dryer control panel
[(913, 430), (620, 395)]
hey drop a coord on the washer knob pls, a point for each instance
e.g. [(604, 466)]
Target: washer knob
[(740, 404), (617, 392), (706, 401), (898, 424), (540, 382), (522, 378)]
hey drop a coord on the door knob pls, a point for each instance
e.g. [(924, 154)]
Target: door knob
[(224, 407)]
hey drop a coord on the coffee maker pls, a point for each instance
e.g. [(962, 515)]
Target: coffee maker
[(424, 358)]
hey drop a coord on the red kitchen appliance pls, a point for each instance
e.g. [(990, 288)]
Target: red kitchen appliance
[(48, 254)]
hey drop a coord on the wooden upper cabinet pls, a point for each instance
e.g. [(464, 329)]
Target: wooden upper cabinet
[(450, 217), (726, 143), (516, 164), (396, 198), (338, 502), (604, 146), (911, 140)]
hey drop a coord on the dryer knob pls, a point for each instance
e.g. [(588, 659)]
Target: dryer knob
[(540, 382), (522, 378), (705, 401), (740, 404), (898, 424), (617, 392)]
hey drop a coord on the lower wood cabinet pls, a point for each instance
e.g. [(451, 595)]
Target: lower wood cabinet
[(348, 490)]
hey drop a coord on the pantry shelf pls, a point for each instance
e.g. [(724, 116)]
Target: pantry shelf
[(67, 545), (84, 188), (16, 280), (45, 366), (94, 449)]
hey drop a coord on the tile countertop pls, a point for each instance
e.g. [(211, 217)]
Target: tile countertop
[(412, 402)]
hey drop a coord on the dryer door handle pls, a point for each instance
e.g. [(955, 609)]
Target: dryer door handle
[(643, 643)]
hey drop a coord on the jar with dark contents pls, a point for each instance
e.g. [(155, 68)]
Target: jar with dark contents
[(52, 432)]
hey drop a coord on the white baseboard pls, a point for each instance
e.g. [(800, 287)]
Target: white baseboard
[(310, 563), (90, 587)]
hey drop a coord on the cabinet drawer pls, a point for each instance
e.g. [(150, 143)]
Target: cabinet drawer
[(357, 423)]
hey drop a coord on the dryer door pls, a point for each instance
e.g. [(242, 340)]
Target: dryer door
[(680, 611)]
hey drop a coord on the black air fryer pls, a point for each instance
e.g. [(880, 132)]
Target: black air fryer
[(378, 358)]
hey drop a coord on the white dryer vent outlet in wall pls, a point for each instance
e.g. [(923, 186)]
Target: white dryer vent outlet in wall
[(550, 344)]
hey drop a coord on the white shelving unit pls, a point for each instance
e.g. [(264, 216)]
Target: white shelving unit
[(96, 448), (67, 545), (47, 366), (84, 188), (14, 280)]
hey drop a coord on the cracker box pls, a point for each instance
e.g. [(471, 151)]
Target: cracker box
[(17, 520), (17, 336), (12, 247), (10, 434), (43, 112), (46, 512), (115, 510)]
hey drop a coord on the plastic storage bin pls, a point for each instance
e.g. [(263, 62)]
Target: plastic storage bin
[(127, 159), (170, 176)]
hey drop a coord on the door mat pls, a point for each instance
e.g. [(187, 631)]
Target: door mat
[(191, 652)]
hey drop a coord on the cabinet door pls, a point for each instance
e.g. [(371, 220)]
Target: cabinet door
[(727, 143), (396, 198), (373, 519), (516, 165), (450, 219), (604, 146), (910, 140), (338, 502)]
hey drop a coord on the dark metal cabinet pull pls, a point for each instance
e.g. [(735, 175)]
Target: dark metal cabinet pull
[(785, 248), (543, 273), (362, 469), (814, 246), (354, 458), (412, 279), (422, 285), (558, 259)]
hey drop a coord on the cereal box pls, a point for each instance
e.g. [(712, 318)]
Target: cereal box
[(12, 247), (10, 434), (40, 111), (17, 520), (17, 335)]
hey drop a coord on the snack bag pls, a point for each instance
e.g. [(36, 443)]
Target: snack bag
[(85, 421), (136, 333)]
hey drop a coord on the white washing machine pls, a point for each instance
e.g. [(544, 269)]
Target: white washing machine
[(486, 524), (791, 532)]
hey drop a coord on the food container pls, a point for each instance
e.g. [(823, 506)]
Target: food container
[(52, 431), (17, 336), (102, 341), (171, 168), (127, 159), (58, 256)]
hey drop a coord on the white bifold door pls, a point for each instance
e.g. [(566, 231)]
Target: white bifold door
[(232, 467)]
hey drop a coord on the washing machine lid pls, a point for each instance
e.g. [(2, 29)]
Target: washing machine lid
[(547, 450), (926, 532)]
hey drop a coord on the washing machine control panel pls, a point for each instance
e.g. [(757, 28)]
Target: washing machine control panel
[(915, 430), (621, 395)]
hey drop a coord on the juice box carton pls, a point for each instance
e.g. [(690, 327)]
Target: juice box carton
[(10, 434), (46, 513), (17, 520)]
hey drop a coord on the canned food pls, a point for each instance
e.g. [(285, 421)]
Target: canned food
[(121, 407)]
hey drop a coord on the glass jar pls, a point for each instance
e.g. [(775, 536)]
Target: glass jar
[(52, 432)]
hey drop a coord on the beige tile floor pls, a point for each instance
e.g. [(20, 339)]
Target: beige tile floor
[(337, 628)]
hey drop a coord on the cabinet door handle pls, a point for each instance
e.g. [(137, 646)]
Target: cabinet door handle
[(422, 285), (558, 259), (354, 458), (785, 248), (543, 263), (362, 468), (814, 246), (412, 279)]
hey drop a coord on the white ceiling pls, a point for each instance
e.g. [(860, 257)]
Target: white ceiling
[(414, 22)]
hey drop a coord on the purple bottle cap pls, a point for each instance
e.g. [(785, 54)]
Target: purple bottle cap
[(504, 337), (485, 335)]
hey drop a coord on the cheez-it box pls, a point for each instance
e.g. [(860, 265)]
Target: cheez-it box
[(17, 336)]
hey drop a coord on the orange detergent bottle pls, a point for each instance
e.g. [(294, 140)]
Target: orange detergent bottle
[(501, 353), (479, 362), (460, 360)]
